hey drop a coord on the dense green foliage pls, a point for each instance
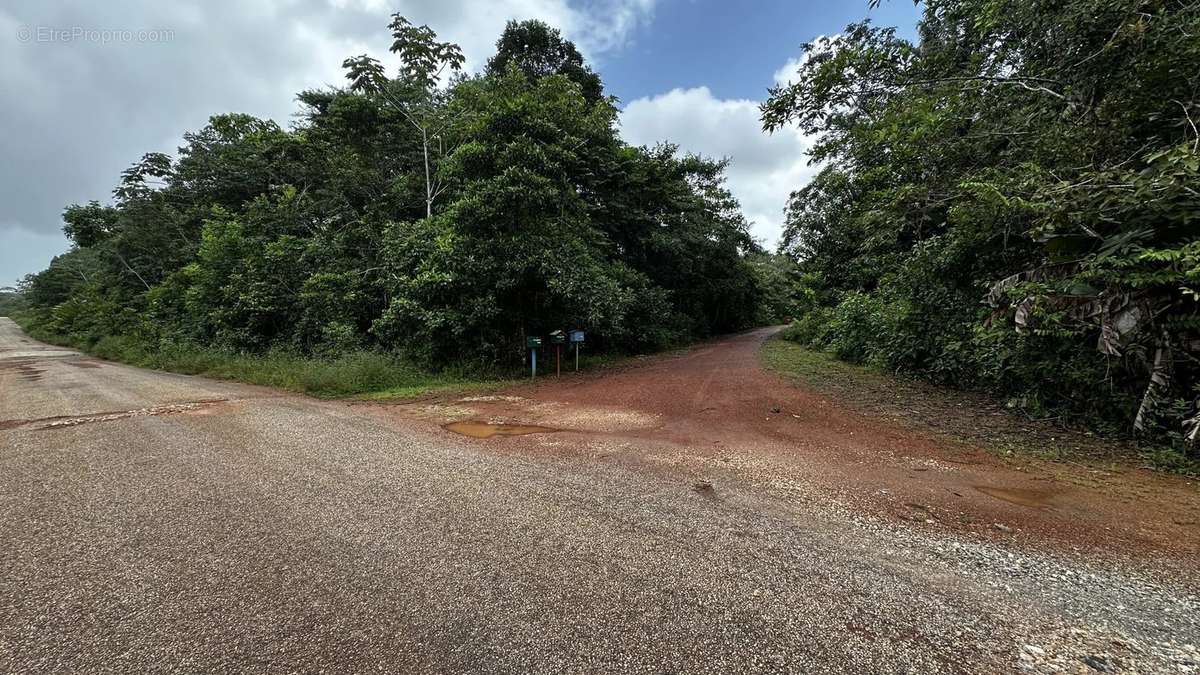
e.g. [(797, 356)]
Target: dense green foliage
[(434, 214), (11, 301), (1011, 203)]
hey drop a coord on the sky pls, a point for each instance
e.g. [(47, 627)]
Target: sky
[(92, 86)]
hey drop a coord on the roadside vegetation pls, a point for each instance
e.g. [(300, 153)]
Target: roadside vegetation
[(359, 373), (973, 417), (1009, 204), (410, 229), (11, 301)]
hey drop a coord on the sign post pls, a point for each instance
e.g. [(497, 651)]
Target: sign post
[(532, 344), (558, 339), (576, 338)]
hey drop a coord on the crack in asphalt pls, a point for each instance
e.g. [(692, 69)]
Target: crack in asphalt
[(63, 421)]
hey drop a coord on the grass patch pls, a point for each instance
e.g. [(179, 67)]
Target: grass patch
[(351, 374), (363, 373), (959, 415), (452, 386), (1171, 460), (813, 366)]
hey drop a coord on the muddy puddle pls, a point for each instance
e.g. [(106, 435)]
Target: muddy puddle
[(488, 429), (1037, 499)]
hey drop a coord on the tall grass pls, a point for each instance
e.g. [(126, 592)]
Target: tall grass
[(363, 373), (358, 373)]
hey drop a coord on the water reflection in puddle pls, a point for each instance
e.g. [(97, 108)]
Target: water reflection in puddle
[(488, 429)]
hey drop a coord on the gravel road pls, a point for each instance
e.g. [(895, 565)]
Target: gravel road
[(175, 524)]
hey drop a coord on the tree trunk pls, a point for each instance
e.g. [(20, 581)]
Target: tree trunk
[(1160, 379), (428, 184), (1191, 427)]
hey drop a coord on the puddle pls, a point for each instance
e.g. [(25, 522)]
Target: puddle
[(487, 429), (1037, 499)]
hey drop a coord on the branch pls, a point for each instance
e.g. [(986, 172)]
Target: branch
[(1188, 115), (126, 264), (1031, 83)]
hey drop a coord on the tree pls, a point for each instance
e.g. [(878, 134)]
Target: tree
[(514, 253), (323, 238), (1034, 156), (11, 301), (538, 50), (424, 60)]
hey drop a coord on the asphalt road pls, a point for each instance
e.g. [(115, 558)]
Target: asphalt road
[(156, 522)]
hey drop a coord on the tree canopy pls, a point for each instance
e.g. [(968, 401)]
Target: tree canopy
[(436, 213), (1010, 202), (538, 50)]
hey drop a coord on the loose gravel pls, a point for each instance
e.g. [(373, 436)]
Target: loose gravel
[(282, 534)]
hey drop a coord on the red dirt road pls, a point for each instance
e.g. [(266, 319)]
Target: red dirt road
[(714, 414)]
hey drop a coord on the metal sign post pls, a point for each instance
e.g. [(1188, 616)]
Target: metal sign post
[(558, 339), (532, 344), (576, 338)]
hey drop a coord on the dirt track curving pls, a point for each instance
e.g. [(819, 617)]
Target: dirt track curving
[(715, 411)]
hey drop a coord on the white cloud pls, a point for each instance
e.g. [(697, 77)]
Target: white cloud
[(787, 72), (609, 25), (764, 169)]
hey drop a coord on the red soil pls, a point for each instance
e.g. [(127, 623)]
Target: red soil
[(716, 406)]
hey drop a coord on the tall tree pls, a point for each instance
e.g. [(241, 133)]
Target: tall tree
[(424, 62), (538, 50)]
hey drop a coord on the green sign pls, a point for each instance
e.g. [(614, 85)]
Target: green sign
[(533, 342), (558, 338)]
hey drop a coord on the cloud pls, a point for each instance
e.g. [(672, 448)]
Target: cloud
[(25, 252), (81, 106), (764, 169), (787, 72)]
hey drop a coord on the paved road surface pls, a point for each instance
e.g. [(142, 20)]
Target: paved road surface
[(159, 522)]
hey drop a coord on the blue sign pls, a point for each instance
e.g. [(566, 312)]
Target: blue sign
[(576, 336)]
